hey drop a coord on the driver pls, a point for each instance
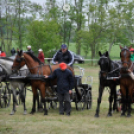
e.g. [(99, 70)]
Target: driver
[(63, 55)]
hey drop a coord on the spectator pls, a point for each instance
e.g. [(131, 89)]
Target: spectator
[(63, 55), (65, 84), (132, 54), (13, 51), (2, 54), (41, 55), (29, 49)]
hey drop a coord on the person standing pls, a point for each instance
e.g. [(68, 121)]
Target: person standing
[(29, 49), (63, 55), (65, 84), (2, 53), (132, 54), (13, 51), (41, 55)]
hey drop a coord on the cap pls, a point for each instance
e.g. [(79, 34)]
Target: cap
[(40, 50), (131, 49), (63, 66), (29, 46), (63, 46)]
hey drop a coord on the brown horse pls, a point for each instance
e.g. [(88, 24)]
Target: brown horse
[(126, 80), (36, 67)]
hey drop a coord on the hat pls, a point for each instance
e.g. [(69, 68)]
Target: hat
[(63, 66), (63, 46), (40, 50), (131, 49), (29, 46)]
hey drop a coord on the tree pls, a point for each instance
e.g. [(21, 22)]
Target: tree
[(44, 34)]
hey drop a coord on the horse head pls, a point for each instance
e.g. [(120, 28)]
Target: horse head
[(104, 63), (125, 58), (19, 61)]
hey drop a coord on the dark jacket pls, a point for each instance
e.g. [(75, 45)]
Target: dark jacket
[(30, 50), (66, 57), (65, 80), (13, 51)]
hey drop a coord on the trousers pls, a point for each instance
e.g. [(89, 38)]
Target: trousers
[(64, 103)]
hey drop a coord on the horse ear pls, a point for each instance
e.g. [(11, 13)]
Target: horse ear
[(107, 54), (20, 52), (100, 53)]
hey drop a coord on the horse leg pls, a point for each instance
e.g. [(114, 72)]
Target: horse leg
[(22, 96), (123, 105), (40, 108), (129, 101), (101, 88), (14, 101), (123, 99), (34, 99), (110, 101), (42, 89), (115, 99)]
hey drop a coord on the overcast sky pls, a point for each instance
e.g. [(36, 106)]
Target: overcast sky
[(43, 1), (39, 1)]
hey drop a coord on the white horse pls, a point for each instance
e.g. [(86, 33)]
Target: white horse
[(6, 64)]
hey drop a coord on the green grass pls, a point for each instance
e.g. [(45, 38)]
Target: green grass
[(80, 122)]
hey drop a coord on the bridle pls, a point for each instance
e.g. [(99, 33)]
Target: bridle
[(125, 61), (22, 58), (104, 57), (108, 72)]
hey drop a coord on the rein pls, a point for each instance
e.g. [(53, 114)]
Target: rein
[(40, 66)]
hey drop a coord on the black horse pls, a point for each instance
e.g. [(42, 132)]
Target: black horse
[(108, 71)]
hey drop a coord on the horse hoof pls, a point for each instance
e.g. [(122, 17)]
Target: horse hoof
[(25, 112), (12, 113), (109, 115), (129, 115), (123, 115), (32, 112), (96, 115), (46, 113)]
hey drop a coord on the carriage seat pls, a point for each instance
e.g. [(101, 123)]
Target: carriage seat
[(86, 86), (78, 80)]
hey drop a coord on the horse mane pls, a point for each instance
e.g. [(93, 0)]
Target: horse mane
[(33, 57)]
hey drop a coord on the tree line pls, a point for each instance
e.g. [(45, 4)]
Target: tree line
[(92, 25)]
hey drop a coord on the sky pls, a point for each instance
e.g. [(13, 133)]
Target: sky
[(42, 1), (38, 1)]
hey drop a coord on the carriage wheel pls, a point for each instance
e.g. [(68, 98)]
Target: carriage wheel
[(80, 105), (89, 100), (5, 96)]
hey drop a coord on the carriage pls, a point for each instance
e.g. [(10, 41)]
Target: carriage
[(85, 89)]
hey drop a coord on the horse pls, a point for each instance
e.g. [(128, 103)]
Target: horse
[(108, 69), (6, 66), (126, 80), (35, 66)]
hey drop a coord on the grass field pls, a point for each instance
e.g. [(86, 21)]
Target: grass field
[(80, 122)]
